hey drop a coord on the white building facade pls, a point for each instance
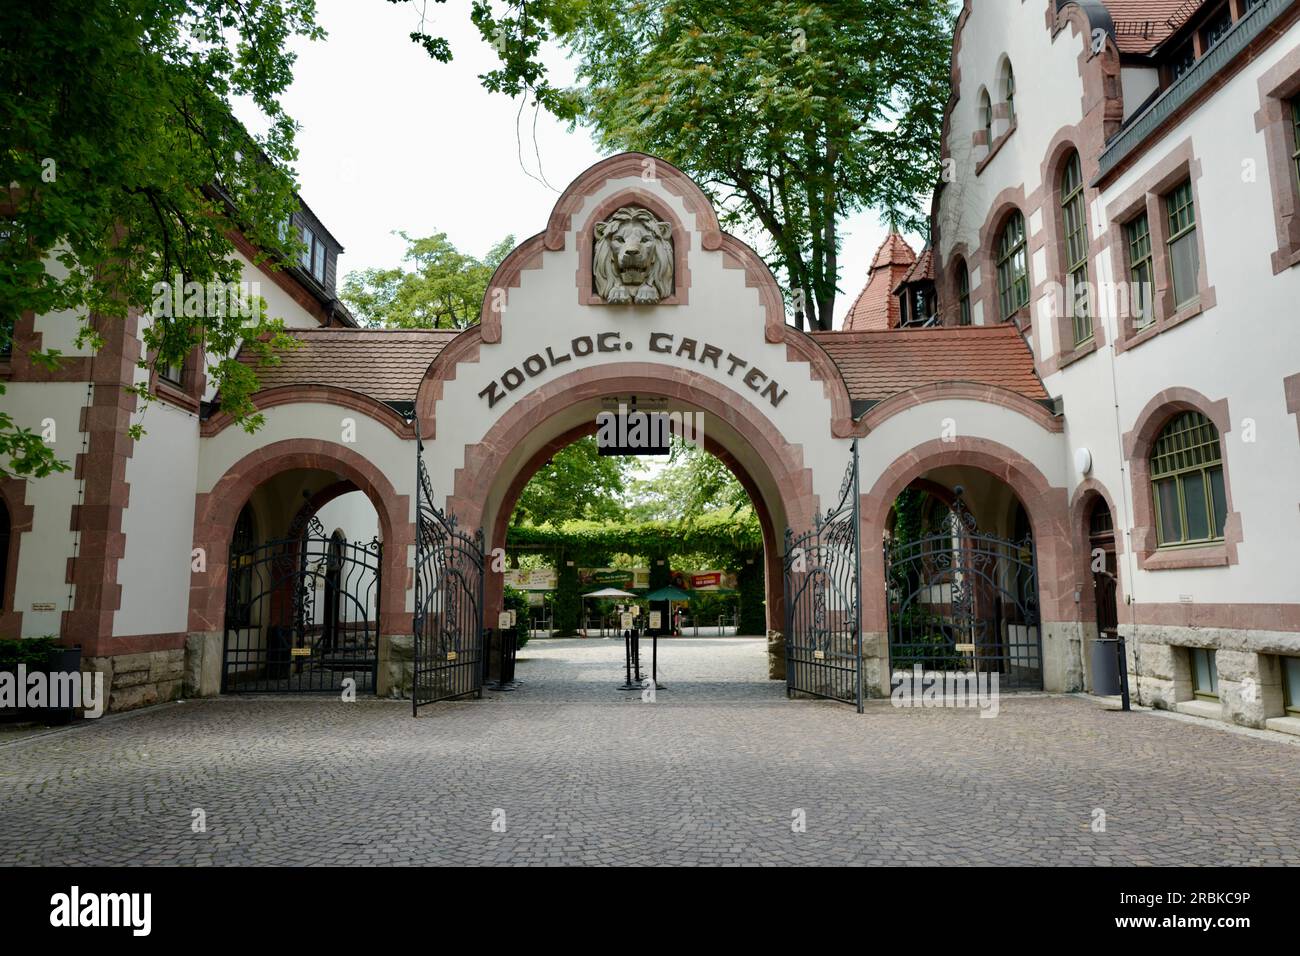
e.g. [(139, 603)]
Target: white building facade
[(1130, 467)]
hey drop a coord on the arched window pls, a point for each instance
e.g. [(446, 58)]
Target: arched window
[(1074, 225), (1187, 481), (963, 294), (986, 116), (1009, 91), (4, 557), (1013, 267)]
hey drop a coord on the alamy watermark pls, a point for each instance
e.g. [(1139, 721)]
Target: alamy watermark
[(922, 688), (53, 689)]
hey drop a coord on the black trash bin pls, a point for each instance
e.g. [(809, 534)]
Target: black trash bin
[(1105, 666), (63, 660)]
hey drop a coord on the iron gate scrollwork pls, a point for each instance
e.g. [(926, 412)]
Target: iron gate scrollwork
[(962, 600), (302, 613), (448, 621), (823, 609)]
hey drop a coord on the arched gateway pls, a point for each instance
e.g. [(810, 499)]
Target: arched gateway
[(633, 290)]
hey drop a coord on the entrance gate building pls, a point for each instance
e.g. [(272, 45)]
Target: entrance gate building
[(569, 328)]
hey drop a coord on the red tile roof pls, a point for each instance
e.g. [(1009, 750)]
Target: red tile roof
[(875, 307), (876, 365), (922, 270), (1141, 25), (386, 364)]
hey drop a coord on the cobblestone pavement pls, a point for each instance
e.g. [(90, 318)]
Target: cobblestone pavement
[(712, 772)]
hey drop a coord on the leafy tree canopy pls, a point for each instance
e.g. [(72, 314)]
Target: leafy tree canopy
[(124, 164), (577, 483), (443, 290), (791, 113), (693, 483)]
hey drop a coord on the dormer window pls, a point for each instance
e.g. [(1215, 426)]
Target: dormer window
[(1217, 28)]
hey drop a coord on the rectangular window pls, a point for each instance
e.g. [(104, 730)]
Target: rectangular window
[(1013, 268), (307, 239), (1138, 235), (1291, 685), (1205, 673), (174, 374), (963, 296), (1184, 257), (318, 262), (1218, 27), (1075, 221), (1182, 60)]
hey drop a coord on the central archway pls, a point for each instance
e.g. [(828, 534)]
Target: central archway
[(770, 468)]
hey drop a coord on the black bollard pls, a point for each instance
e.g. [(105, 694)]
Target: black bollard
[(627, 662)]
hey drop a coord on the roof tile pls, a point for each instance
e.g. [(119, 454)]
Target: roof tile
[(878, 364)]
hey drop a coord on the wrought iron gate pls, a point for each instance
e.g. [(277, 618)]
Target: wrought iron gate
[(961, 600), (302, 614), (823, 607), (448, 622)]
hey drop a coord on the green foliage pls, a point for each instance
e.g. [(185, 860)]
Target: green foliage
[(32, 651), (720, 540), (577, 483), (693, 483), (127, 167), (443, 290), (793, 113), (517, 601), (566, 604)]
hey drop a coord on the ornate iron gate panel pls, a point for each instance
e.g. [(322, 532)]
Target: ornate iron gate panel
[(302, 614), (823, 607), (448, 622), (961, 600)]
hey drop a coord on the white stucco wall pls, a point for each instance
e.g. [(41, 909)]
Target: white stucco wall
[(1241, 350)]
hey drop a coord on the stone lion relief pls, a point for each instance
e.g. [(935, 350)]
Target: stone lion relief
[(633, 257)]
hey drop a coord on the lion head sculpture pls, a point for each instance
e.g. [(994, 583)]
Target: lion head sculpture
[(633, 259)]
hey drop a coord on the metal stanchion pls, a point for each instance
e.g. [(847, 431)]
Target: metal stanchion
[(627, 662), (654, 661)]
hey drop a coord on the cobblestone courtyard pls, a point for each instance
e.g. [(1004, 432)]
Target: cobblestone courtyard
[(711, 772)]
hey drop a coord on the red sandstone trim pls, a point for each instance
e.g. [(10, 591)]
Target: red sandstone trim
[(1089, 491), (316, 394), (116, 646), (1047, 507), (216, 511), (1137, 449), (1273, 119), (773, 568), (483, 461), (969, 391), (102, 469), (681, 243), (1252, 617)]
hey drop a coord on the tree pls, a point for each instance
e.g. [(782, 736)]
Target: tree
[(444, 291), (693, 483), (578, 482), (126, 167), (790, 113)]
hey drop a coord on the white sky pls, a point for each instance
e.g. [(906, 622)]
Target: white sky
[(392, 140)]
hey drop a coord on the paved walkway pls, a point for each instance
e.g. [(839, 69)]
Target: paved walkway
[(714, 771)]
